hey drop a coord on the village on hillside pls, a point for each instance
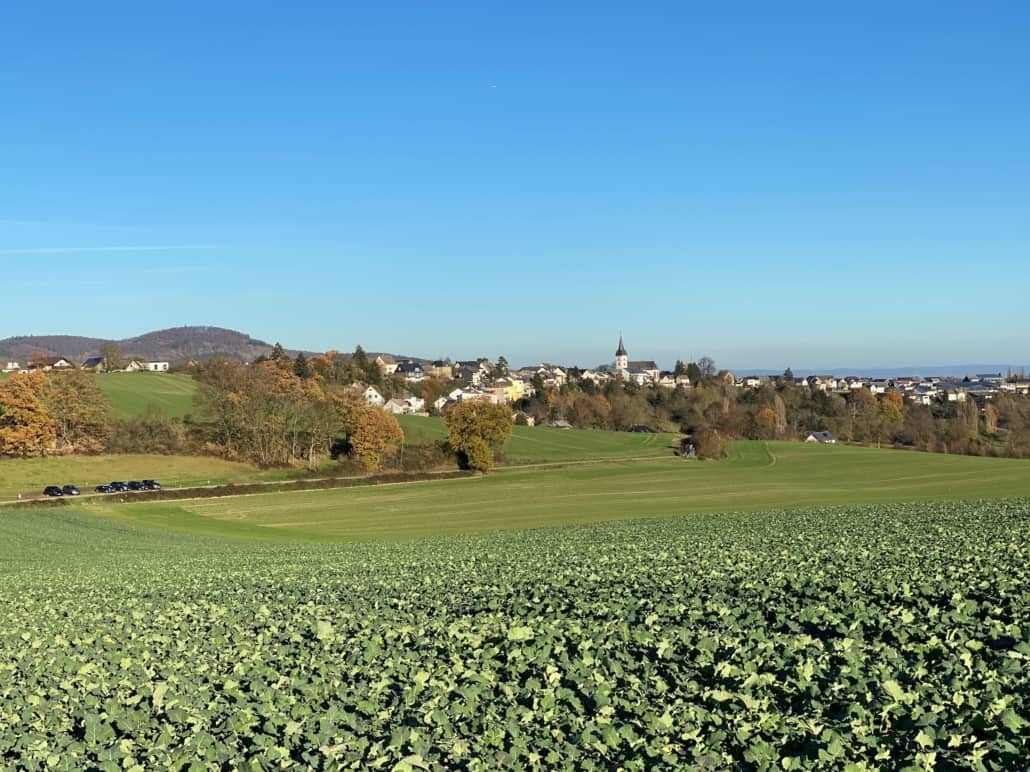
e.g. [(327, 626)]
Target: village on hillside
[(96, 364), (482, 380)]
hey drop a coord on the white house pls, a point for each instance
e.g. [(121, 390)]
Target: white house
[(922, 395), (410, 371), (475, 395), (50, 363), (12, 367), (823, 438), (387, 364), (157, 367), (370, 394), (405, 405), (396, 406)]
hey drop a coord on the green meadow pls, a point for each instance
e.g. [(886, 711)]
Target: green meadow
[(132, 394), (541, 444), (28, 476), (758, 476)]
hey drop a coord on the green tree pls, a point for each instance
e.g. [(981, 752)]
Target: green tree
[(476, 430), (301, 368), (280, 357), (694, 373)]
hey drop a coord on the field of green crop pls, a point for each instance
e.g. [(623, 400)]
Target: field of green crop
[(888, 637), (757, 476), (131, 394)]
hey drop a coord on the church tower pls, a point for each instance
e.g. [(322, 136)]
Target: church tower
[(621, 357)]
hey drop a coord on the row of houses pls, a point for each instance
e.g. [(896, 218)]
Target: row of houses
[(516, 384), (46, 364), (921, 391)]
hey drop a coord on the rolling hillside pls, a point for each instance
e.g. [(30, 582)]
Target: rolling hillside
[(536, 443), (130, 394), (173, 345), (758, 476)]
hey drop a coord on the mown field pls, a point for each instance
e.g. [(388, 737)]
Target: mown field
[(757, 476), (538, 443), (132, 394), (28, 476), (889, 637)]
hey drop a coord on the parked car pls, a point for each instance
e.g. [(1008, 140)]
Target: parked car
[(135, 485), (104, 489), (70, 490), (116, 487), (151, 485), (53, 490)]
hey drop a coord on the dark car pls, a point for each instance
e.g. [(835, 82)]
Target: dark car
[(117, 486), (151, 485), (53, 490), (135, 485), (104, 489), (70, 490)]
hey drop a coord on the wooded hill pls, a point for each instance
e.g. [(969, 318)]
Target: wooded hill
[(172, 345), (176, 344)]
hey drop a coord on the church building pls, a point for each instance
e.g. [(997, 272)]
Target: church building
[(640, 371)]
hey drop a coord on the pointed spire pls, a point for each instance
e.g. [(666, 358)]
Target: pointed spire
[(621, 350)]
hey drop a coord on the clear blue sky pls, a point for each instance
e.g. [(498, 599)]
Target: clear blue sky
[(771, 184)]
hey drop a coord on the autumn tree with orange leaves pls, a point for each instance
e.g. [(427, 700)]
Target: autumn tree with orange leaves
[(26, 426), (375, 433)]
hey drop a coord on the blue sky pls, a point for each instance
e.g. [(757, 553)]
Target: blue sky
[(800, 184)]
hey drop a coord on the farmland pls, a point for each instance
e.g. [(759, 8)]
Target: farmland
[(543, 444), (880, 637), (131, 394), (28, 476), (757, 476)]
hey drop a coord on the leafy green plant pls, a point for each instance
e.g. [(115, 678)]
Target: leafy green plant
[(888, 637)]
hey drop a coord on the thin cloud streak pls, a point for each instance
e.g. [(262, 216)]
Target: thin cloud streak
[(141, 248)]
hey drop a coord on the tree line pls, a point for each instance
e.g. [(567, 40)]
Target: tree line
[(268, 414), (781, 409), (264, 414), (301, 410)]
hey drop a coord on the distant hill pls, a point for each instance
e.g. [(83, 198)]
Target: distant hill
[(173, 345)]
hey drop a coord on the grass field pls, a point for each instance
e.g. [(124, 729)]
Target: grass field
[(130, 394), (757, 476), (28, 476), (539, 443)]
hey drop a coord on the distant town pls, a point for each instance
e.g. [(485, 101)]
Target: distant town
[(481, 379)]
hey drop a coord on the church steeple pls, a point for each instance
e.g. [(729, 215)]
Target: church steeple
[(621, 358)]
